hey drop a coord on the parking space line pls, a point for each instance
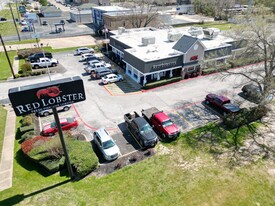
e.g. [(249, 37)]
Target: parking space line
[(182, 117), (134, 137)]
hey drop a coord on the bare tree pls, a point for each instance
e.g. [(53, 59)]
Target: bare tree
[(258, 34), (143, 13)]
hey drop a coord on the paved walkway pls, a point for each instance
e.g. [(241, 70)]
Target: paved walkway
[(6, 164)]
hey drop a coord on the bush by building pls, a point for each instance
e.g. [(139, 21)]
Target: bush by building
[(25, 53)]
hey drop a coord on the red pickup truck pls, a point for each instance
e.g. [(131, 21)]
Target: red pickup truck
[(161, 122), (222, 103)]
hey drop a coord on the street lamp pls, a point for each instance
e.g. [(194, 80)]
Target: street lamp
[(48, 70)]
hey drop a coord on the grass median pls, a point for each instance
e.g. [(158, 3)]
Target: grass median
[(177, 174)]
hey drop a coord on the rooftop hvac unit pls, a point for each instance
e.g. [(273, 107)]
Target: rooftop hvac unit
[(172, 36), (121, 30), (211, 33), (148, 40), (195, 31)]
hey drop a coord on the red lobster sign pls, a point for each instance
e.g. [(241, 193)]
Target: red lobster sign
[(53, 91)]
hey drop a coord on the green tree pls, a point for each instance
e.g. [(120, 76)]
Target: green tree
[(43, 2)]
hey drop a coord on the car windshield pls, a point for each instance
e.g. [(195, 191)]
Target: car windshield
[(70, 120), (110, 143), (53, 125), (146, 128), (167, 123)]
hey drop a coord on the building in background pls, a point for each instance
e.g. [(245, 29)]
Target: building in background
[(50, 11)]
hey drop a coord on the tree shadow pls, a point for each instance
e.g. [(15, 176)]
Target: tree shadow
[(30, 165)]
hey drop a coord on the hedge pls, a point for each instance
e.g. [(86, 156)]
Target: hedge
[(26, 128), (24, 53), (161, 82), (50, 154)]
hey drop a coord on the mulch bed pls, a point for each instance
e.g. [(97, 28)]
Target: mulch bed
[(122, 161)]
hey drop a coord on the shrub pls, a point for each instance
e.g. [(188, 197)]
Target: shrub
[(24, 53), (36, 73), (208, 71), (27, 135), (245, 116), (26, 120), (82, 157), (50, 154), (161, 83), (29, 144), (26, 68)]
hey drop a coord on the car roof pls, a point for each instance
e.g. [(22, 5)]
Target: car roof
[(161, 116), (109, 75), (140, 121), (103, 134), (222, 98), (103, 69)]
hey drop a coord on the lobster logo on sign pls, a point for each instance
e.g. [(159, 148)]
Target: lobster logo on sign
[(53, 91)]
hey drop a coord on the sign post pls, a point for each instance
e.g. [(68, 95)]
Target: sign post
[(48, 95), (69, 166)]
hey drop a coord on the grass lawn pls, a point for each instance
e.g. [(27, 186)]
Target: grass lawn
[(5, 71), (3, 115), (221, 26), (182, 176)]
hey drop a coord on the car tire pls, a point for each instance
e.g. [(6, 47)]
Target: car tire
[(51, 134), (109, 83), (163, 135), (224, 114), (36, 66), (66, 108), (207, 102), (54, 64), (45, 114)]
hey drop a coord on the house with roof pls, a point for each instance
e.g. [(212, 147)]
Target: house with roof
[(97, 14), (151, 54), (50, 11)]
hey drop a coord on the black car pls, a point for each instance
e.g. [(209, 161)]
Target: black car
[(35, 57), (253, 93)]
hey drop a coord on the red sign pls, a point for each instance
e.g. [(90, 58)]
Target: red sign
[(194, 58)]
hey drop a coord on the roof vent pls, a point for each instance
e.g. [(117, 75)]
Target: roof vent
[(195, 31), (121, 30), (174, 36), (211, 33), (148, 40)]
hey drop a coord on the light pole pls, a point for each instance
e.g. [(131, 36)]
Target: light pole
[(48, 70), (106, 44), (14, 23)]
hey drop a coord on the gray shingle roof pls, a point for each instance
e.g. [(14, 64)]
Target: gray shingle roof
[(184, 43)]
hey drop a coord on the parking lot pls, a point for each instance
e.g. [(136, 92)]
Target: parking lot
[(105, 105)]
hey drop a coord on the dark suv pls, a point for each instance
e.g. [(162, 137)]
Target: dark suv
[(35, 57), (252, 92), (102, 72)]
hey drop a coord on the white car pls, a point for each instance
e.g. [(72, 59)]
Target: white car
[(110, 78), (106, 144), (47, 112), (85, 56), (83, 50)]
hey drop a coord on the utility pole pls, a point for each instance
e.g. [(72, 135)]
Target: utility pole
[(17, 9), (14, 22), (7, 56)]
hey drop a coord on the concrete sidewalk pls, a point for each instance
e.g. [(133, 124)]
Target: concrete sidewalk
[(57, 43), (6, 164)]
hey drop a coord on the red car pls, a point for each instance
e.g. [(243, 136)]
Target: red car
[(66, 124), (222, 103), (161, 122)]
